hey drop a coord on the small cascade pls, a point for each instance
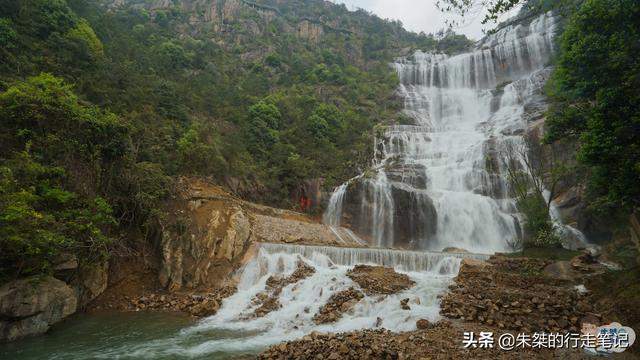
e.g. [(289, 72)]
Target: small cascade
[(573, 238), (301, 301), (333, 213), (402, 260)]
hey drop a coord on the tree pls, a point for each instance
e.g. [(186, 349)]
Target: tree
[(90, 47), (172, 56), (8, 34), (40, 219), (595, 99), (493, 9), (533, 178), (263, 124), (44, 113)]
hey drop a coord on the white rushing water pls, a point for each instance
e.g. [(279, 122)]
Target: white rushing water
[(466, 108), (431, 271)]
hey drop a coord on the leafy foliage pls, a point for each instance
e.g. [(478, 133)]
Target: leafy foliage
[(111, 104), (596, 100), (40, 219), (533, 177)]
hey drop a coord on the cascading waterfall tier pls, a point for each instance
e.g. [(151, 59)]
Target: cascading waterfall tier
[(439, 182), (432, 272), (401, 260)]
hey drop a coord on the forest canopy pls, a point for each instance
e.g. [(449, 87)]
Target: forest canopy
[(103, 106)]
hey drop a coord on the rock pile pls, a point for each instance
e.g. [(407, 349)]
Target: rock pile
[(372, 344), (302, 272), (195, 304), (379, 280), (267, 301), (442, 340), (586, 262), (338, 304), (512, 293)]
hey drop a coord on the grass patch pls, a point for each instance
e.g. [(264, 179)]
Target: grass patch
[(557, 254), (617, 294)]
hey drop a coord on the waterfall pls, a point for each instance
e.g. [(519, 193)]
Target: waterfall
[(572, 238), (333, 213), (431, 272), (412, 261), (439, 183)]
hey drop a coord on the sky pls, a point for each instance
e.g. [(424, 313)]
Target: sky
[(417, 15)]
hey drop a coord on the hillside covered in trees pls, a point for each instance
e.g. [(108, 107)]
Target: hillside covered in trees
[(104, 103)]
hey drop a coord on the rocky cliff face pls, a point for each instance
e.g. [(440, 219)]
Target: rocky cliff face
[(569, 195), (365, 212), (222, 16), (208, 232), (29, 306)]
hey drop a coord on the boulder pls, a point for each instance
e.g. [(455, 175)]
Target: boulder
[(91, 281), (65, 261), (30, 306), (423, 324)]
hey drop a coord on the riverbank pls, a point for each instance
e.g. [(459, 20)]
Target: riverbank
[(502, 295)]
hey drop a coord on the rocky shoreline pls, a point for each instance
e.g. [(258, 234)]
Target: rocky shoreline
[(501, 295), (442, 340)]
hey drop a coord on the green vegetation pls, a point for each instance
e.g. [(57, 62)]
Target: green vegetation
[(45, 209), (558, 254), (533, 177), (596, 100), (101, 107)]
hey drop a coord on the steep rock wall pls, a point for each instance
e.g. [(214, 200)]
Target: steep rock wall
[(207, 233)]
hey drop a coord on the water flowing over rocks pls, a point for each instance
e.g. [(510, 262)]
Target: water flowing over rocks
[(500, 295), (268, 300), (404, 260), (285, 292), (337, 304), (30, 306)]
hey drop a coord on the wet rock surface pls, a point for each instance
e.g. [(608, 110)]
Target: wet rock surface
[(379, 280), (414, 214), (514, 294), (338, 304)]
